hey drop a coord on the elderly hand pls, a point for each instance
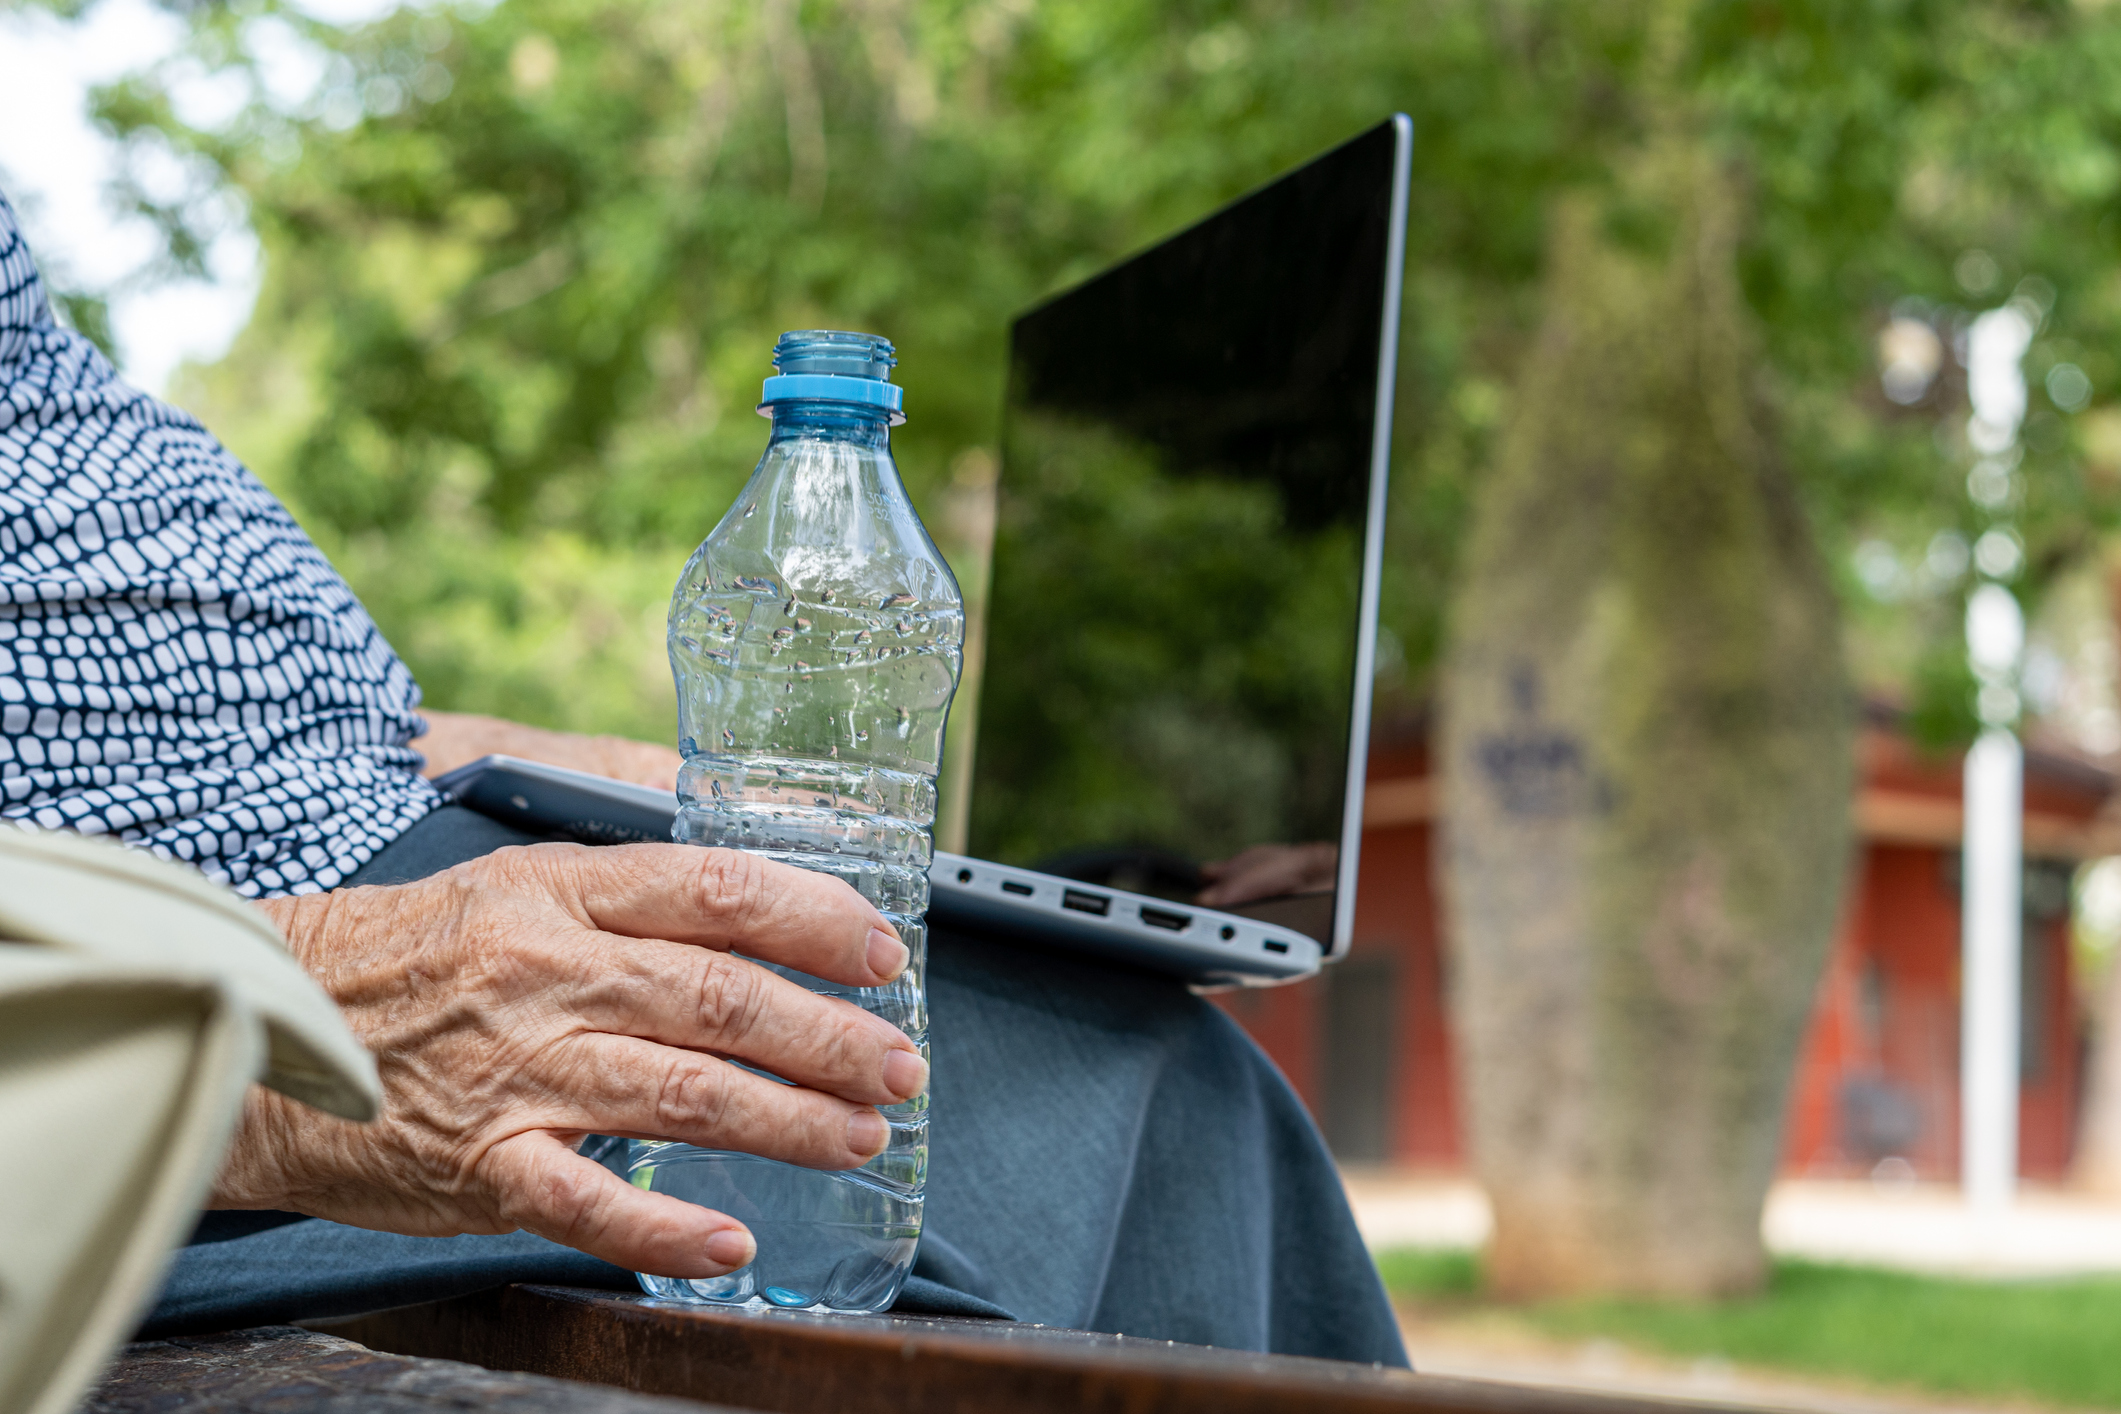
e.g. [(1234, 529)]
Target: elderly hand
[(521, 1001), (454, 739)]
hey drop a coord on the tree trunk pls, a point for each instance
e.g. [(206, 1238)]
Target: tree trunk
[(1646, 734), (2097, 1168)]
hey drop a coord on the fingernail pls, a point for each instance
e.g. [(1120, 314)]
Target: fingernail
[(732, 1247), (905, 1074), (887, 955), (867, 1133)]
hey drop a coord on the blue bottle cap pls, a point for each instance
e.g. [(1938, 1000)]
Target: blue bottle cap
[(832, 366)]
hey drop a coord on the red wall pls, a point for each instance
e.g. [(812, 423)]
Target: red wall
[(1887, 1016), (1888, 1010)]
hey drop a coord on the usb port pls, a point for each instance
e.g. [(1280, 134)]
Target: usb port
[(1277, 947), (1010, 886), (1083, 902), (1164, 918)]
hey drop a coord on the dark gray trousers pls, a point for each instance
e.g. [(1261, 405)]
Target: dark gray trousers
[(1108, 1152)]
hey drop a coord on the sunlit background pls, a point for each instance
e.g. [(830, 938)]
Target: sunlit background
[(1948, 371), (58, 167)]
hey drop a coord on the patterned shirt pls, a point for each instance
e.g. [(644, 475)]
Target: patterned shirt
[(180, 667)]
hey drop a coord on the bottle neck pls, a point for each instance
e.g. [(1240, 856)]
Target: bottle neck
[(851, 423)]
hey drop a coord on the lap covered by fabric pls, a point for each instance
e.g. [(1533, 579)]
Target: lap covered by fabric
[(1109, 1153)]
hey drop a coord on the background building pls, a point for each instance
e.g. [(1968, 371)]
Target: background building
[(1368, 1044)]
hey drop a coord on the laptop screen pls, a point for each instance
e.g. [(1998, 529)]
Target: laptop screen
[(1172, 626)]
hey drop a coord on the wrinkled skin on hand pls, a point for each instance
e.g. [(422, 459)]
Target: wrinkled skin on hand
[(519, 1002)]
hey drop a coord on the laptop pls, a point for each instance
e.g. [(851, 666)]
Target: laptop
[(1170, 712)]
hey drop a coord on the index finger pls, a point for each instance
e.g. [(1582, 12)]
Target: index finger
[(730, 901)]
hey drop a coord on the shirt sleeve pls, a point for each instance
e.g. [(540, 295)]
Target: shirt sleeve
[(180, 666)]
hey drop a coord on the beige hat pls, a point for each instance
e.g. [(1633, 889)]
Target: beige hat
[(137, 1003)]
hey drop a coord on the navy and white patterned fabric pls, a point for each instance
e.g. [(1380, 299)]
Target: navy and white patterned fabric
[(180, 667)]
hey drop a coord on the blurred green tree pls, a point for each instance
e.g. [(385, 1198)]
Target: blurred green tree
[(523, 263)]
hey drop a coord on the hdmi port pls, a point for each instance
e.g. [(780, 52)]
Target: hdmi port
[(1083, 902), (1163, 918)]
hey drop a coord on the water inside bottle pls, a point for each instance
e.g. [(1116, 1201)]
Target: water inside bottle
[(816, 638)]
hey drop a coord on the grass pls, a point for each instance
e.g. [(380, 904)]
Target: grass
[(2054, 1341)]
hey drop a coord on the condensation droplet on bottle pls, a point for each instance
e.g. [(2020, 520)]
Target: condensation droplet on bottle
[(716, 788), (782, 635), (861, 736), (904, 626), (897, 601), (905, 724), (826, 597), (748, 510), (789, 607), (802, 625), (720, 655), (755, 585), (728, 737), (861, 636)]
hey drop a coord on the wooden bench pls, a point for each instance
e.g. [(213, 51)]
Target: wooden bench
[(549, 1349)]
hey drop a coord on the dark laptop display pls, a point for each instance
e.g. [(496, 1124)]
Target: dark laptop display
[(1175, 621)]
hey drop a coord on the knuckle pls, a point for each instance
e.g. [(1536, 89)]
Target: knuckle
[(732, 997), (730, 882), (693, 1095), (853, 1045), (560, 1201)]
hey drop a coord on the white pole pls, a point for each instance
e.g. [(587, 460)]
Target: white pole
[(1994, 793), (1988, 1081)]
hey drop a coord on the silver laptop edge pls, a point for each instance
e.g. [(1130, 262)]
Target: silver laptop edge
[(1200, 944), (1373, 548)]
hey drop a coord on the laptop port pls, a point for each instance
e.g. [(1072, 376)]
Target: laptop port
[(1277, 947), (1164, 918), (1010, 886), (1083, 902), (964, 876)]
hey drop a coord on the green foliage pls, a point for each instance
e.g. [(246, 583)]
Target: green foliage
[(2044, 1340), (89, 315), (1420, 1274), (524, 262)]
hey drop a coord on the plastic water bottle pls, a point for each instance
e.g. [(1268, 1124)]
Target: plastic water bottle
[(816, 637)]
